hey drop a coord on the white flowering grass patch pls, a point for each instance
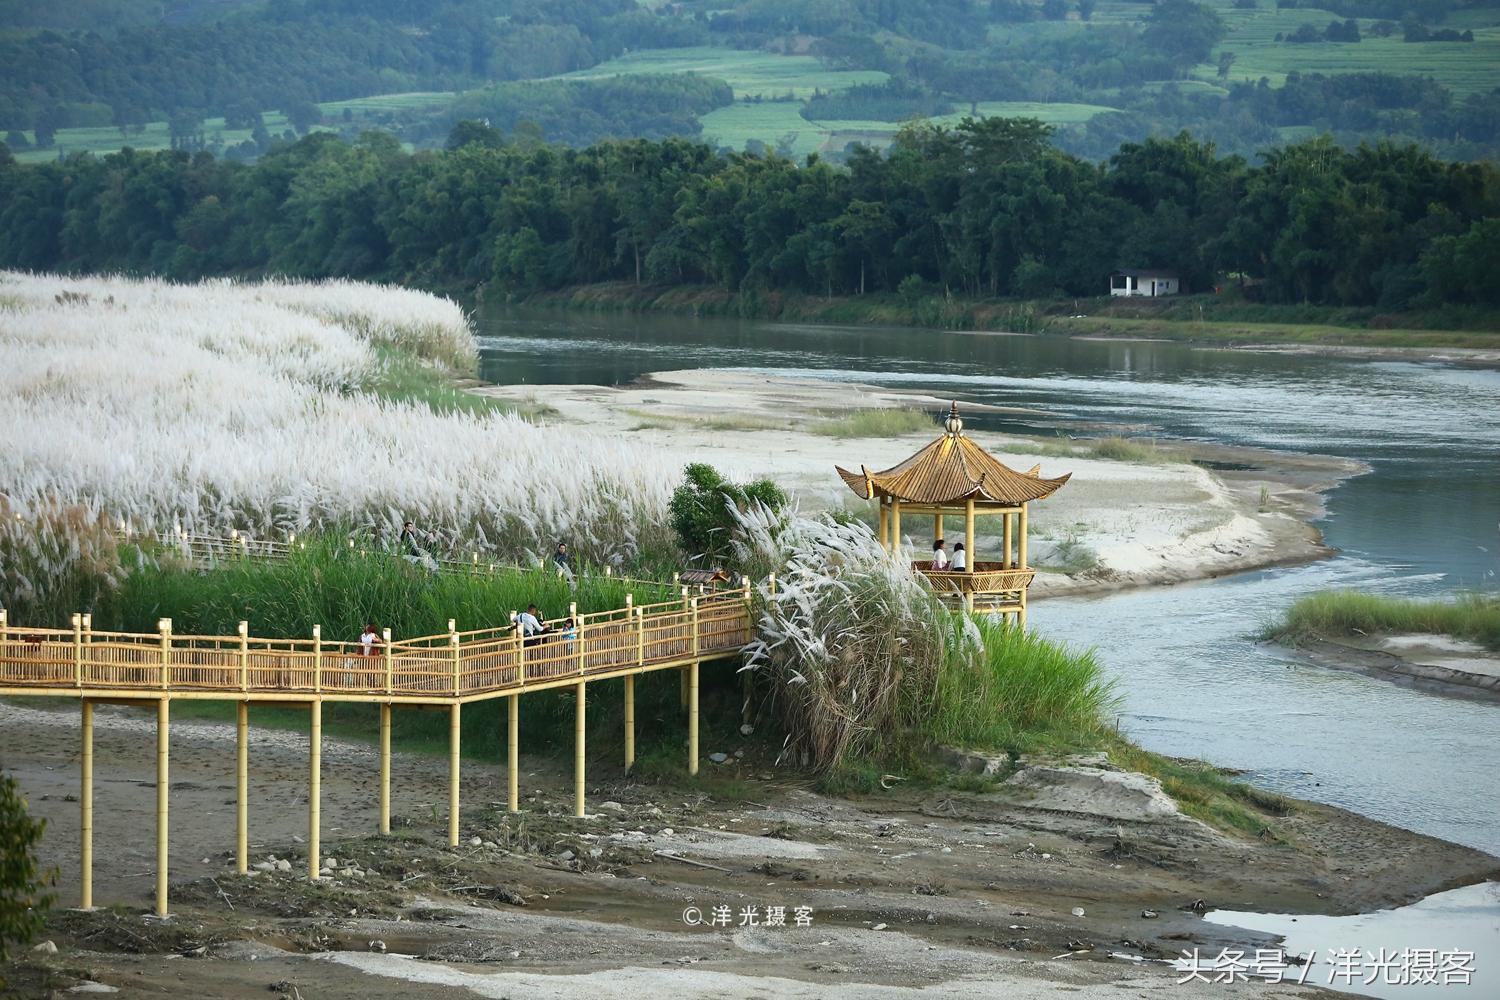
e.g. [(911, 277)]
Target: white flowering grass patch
[(851, 641), (226, 405)]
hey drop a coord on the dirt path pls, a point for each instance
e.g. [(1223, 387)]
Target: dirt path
[(934, 892)]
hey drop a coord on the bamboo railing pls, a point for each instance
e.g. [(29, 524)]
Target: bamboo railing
[(446, 666)]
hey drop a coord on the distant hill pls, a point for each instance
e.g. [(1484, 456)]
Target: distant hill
[(802, 76)]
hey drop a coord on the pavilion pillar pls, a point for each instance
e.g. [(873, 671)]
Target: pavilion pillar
[(896, 527), (885, 525), (1021, 614), (971, 554), (1008, 543), (972, 549)]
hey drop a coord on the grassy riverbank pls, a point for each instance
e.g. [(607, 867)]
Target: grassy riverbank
[(1226, 319), (1347, 613)]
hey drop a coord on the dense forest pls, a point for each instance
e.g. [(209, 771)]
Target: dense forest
[(1152, 67), (988, 208)]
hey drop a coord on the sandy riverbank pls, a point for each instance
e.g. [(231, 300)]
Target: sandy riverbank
[(1116, 524), (915, 893), (1434, 662)]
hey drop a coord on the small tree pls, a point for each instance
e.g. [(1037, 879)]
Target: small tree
[(23, 894), (703, 510)]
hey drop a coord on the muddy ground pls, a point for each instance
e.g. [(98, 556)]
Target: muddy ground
[(914, 892)]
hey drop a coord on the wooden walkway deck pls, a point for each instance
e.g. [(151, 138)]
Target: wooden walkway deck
[(447, 670)]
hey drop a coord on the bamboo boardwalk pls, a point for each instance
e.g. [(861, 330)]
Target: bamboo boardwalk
[(443, 671)]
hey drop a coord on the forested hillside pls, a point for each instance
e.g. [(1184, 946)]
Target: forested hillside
[(802, 76), (988, 208)]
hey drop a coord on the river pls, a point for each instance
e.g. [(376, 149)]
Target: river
[(1194, 682)]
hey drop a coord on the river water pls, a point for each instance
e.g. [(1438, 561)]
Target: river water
[(1194, 681)]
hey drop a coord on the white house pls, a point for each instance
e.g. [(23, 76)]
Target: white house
[(1143, 281)]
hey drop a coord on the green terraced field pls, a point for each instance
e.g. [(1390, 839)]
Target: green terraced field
[(417, 100), (107, 139), (767, 121), (751, 74), (1465, 67)]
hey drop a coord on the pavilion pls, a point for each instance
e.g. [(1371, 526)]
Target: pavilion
[(953, 476)]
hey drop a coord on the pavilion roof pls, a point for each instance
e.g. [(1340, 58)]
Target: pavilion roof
[(953, 469)]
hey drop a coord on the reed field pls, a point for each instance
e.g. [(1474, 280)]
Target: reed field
[(250, 406)]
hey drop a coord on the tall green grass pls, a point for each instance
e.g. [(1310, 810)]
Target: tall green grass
[(881, 422), (1346, 613), (329, 584), (1119, 449), (1019, 692)]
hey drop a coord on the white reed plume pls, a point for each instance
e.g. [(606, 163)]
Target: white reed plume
[(236, 405), (851, 640)]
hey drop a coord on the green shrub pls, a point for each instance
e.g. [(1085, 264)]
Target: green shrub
[(23, 885), (703, 510)]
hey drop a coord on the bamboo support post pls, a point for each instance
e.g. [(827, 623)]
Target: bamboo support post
[(513, 752), (317, 663), (242, 787), (163, 781), (385, 768), (693, 718), (1008, 542), (896, 527), (1021, 532), (315, 789), (86, 811), (884, 526), (454, 771), (937, 527), (578, 748), (629, 722)]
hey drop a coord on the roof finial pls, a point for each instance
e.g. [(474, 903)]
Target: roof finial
[(953, 425)]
